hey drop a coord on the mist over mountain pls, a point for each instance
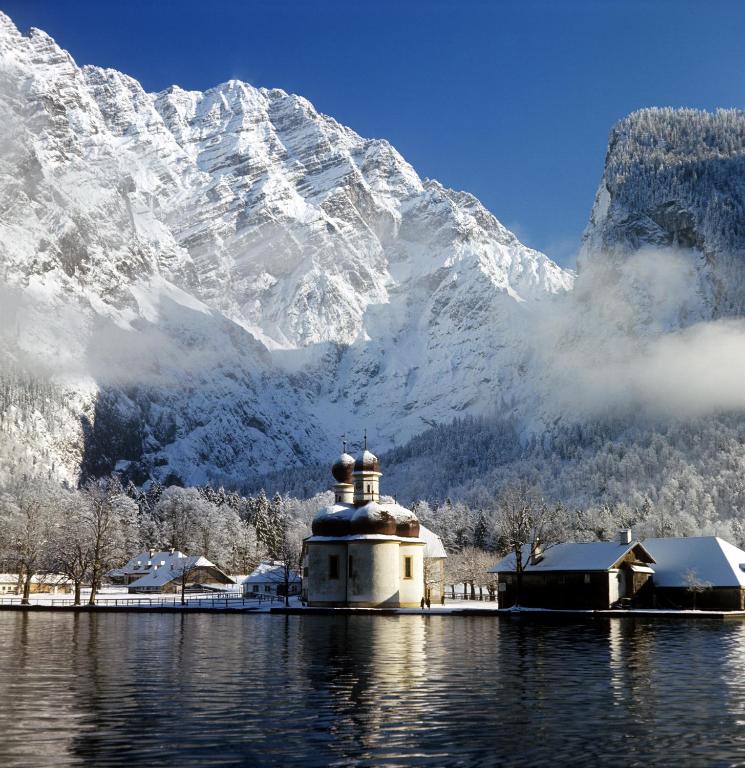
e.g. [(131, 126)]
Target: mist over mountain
[(213, 287), (225, 282)]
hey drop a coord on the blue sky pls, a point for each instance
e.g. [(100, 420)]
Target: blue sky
[(511, 101)]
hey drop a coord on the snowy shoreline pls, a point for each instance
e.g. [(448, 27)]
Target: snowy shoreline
[(461, 608)]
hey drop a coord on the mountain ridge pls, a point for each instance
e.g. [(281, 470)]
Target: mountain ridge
[(148, 237)]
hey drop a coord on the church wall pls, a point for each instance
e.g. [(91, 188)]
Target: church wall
[(375, 572), (323, 590), (411, 589)]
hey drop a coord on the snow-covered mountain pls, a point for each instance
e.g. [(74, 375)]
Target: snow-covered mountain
[(643, 362), (226, 281), (675, 178)]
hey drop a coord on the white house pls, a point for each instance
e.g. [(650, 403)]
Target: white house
[(50, 583), (363, 552), (164, 571), (269, 579)]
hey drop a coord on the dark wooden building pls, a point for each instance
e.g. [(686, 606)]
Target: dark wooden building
[(596, 575), (701, 572)]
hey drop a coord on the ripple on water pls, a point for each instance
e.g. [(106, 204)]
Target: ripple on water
[(147, 689)]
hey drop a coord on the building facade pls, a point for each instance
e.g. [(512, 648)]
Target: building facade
[(165, 571), (269, 578), (364, 552), (677, 573), (596, 575), (50, 583), (697, 572)]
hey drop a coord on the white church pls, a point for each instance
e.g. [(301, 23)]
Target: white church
[(367, 553)]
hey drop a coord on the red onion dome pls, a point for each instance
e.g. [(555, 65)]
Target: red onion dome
[(371, 518), (367, 462), (342, 469), (331, 523), (408, 528)]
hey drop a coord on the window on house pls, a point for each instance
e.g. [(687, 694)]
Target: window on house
[(333, 566), (267, 588), (368, 487), (407, 567)]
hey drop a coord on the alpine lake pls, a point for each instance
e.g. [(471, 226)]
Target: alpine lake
[(149, 689)]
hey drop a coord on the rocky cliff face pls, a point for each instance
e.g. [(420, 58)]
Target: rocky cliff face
[(234, 279), (675, 178)]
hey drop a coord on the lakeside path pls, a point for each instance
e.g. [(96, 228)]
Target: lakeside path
[(118, 600)]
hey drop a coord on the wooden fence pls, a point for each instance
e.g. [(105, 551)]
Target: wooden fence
[(204, 600)]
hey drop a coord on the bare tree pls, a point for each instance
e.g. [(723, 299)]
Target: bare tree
[(247, 552), (288, 551), (695, 585), (185, 571), (433, 574), (108, 525), (71, 554), (470, 567), (29, 518), (527, 525), (194, 525), (180, 509)]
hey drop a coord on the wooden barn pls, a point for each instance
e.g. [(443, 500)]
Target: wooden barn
[(596, 575), (701, 572)]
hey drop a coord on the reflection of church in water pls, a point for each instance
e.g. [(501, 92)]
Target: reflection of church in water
[(369, 553)]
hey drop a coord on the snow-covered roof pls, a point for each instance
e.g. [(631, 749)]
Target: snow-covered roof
[(144, 562), (368, 536), (434, 546), (713, 560), (372, 509), (270, 573), (162, 575), (572, 556), (52, 579)]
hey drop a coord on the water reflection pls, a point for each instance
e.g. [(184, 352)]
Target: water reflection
[(127, 689), (369, 673)]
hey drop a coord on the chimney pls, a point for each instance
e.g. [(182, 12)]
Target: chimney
[(537, 555), (624, 536)]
